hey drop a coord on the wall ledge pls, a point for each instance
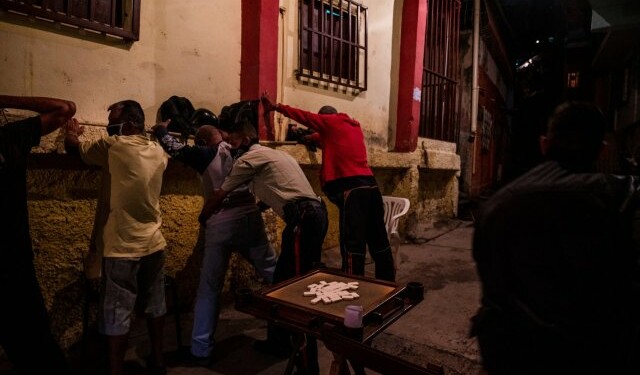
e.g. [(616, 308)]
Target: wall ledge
[(431, 154), (436, 155)]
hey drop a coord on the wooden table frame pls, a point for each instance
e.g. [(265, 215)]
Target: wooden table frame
[(325, 323)]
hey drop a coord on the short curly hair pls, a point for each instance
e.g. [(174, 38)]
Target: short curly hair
[(575, 132)]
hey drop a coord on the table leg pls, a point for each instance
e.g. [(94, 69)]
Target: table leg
[(339, 365), (358, 369), (297, 341)]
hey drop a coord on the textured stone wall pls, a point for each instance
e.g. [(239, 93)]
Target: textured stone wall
[(62, 200)]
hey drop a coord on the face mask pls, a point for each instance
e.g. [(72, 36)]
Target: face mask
[(115, 129)]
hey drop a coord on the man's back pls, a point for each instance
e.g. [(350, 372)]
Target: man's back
[(275, 176), (344, 151), (555, 258), (136, 166)]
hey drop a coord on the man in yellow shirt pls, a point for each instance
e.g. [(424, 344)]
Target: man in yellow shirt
[(132, 246)]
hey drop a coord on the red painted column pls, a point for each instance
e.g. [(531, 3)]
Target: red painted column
[(259, 56), (414, 23)]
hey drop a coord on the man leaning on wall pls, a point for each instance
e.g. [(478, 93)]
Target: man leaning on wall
[(25, 333), (134, 257), (349, 183), (237, 226)]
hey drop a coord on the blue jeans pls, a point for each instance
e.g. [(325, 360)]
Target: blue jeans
[(248, 237)]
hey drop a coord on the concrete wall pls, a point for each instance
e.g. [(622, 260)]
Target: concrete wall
[(370, 107), (187, 49), (480, 166)]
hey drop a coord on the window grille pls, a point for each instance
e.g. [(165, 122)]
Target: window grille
[(119, 18), (333, 42), (440, 79)]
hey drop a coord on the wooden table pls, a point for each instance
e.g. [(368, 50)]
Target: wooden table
[(383, 303)]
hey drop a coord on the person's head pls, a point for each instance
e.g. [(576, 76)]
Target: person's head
[(126, 117), (208, 135), (575, 134), (327, 110), (242, 135)]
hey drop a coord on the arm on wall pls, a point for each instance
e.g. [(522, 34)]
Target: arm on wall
[(53, 112), (72, 131)]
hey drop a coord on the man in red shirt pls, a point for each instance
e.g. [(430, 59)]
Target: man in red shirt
[(349, 183)]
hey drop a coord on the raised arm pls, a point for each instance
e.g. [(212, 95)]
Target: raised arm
[(53, 112), (197, 157), (311, 120)]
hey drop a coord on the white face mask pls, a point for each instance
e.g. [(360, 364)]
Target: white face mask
[(115, 129)]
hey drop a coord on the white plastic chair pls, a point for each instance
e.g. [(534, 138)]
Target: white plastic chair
[(394, 209)]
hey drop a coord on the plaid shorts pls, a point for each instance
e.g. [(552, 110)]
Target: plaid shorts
[(127, 283)]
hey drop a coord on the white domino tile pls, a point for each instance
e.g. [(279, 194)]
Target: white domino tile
[(331, 292)]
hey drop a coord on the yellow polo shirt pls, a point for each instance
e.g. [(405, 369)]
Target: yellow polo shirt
[(135, 165)]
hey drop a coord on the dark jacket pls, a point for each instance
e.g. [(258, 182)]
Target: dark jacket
[(558, 263)]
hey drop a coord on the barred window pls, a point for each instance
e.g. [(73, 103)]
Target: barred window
[(440, 79), (118, 18), (333, 42)]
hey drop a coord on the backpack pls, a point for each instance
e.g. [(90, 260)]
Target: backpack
[(232, 114), (179, 110)]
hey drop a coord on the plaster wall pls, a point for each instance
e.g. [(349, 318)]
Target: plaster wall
[(184, 49), (371, 107)]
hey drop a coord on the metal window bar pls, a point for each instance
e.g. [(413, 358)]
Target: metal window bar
[(439, 112), (331, 31), (85, 18)]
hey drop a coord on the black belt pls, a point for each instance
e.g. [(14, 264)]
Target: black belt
[(294, 209), (238, 199)]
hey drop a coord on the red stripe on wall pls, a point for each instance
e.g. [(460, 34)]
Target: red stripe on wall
[(414, 22), (259, 56)]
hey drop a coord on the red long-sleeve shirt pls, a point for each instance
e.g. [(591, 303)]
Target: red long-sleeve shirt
[(344, 153)]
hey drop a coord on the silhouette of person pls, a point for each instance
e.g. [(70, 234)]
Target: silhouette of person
[(557, 260)]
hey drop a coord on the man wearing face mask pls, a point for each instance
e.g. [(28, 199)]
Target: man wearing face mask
[(237, 226), (278, 181), (130, 239)]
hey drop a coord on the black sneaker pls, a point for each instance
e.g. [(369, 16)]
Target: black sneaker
[(271, 348), (195, 361), (155, 369)]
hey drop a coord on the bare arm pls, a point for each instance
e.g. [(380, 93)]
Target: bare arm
[(53, 112), (310, 120)]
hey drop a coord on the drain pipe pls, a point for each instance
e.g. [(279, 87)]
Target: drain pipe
[(475, 90), (282, 129)]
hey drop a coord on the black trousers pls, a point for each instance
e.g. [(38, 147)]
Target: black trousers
[(361, 226), (302, 238)]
